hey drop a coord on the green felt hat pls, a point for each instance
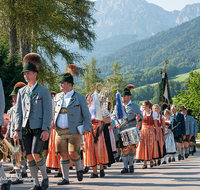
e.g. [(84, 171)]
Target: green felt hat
[(127, 90), (17, 87), (182, 107), (29, 67), (14, 92), (67, 77)]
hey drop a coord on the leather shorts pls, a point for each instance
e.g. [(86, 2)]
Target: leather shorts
[(32, 142), (66, 141)]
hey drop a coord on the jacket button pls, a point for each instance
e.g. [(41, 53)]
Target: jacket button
[(26, 110), (73, 122), (27, 103), (72, 107), (33, 111), (33, 104), (72, 114), (34, 117), (26, 117)]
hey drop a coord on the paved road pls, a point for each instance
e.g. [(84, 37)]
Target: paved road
[(184, 175)]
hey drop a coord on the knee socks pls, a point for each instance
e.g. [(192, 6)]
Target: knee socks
[(125, 160)]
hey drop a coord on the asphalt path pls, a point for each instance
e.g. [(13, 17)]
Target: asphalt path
[(184, 175)]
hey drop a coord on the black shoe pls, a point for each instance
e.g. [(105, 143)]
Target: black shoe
[(86, 170), (45, 184), (164, 162), (151, 164), (169, 159), (63, 182), (117, 159), (182, 158), (93, 175), (12, 172), (102, 173), (48, 171), (124, 170), (131, 169), (6, 186), (179, 157), (58, 175), (137, 161), (71, 168), (104, 167), (159, 162), (144, 167), (192, 153), (173, 159), (17, 181), (154, 164), (23, 175), (36, 187), (80, 175), (120, 160), (186, 155), (109, 165)]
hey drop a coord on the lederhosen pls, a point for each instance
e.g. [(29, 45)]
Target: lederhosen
[(177, 138)]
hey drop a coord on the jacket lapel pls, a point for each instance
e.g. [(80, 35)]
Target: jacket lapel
[(27, 94), (72, 99)]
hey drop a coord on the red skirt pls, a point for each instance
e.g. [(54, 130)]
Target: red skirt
[(94, 153), (147, 148)]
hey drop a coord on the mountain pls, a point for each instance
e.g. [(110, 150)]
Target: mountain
[(179, 45), (115, 17)]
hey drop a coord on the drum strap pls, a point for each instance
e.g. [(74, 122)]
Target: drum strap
[(98, 132), (129, 122)]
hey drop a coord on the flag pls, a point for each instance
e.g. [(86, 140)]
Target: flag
[(164, 94)]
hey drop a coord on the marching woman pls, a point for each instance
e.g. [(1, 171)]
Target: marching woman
[(169, 142), (147, 148), (161, 137), (94, 146)]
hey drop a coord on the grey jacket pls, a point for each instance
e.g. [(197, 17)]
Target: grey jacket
[(2, 103), (131, 107), (11, 123), (189, 127), (195, 126), (77, 111), (36, 108)]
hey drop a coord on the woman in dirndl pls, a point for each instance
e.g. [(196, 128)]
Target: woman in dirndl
[(160, 132), (169, 142), (94, 146), (148, 148)]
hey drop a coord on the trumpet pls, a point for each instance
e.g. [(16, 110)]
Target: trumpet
[(5, 146), (18, 154)]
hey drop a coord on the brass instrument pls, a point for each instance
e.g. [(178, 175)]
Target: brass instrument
[(18, 154), (5, 146)]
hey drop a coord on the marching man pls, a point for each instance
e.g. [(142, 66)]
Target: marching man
[(71, 113), (33, 118)]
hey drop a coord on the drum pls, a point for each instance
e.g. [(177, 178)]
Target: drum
[(130, 136)]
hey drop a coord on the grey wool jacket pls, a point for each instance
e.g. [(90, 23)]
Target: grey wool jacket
[(35, 108), (77, 111), (2, 103)]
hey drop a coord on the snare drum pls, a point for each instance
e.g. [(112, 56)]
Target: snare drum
[(130, 136)]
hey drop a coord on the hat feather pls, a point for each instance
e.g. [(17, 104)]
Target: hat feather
[(19, 85), (130, 86), (52, 93), (73, 70), (33, 58)]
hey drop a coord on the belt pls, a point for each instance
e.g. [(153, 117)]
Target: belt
[(63, 111)]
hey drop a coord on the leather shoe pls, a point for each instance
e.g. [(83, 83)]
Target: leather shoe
[(124, 170), (80, 175), (102, 173), (36, 187), (12, 172), (131, 169), (45, 184), (164, 162), (173, 159), (137, 161), (93, 175), (63, 182), (48, 171), (154, 164), (86, 169), (23, 175), (58, 175), (6, 186), (159, 162), (169, 160), (151, 164), (144, 167), (179, 157), (186, 155), (182, 158), (17, 181)]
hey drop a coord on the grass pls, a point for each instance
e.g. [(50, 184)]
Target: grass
[(180, 78)]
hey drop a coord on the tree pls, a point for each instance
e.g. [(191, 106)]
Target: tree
[(190, 97), (45, 26), (90, 76)]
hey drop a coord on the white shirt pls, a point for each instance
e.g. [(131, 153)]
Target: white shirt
[(154, 114), (31, 88), (62, 121), (128, 104)]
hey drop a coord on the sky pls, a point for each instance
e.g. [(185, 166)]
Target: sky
[(171, 5)]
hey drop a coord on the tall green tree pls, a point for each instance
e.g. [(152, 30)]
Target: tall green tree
[(190, 97)]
